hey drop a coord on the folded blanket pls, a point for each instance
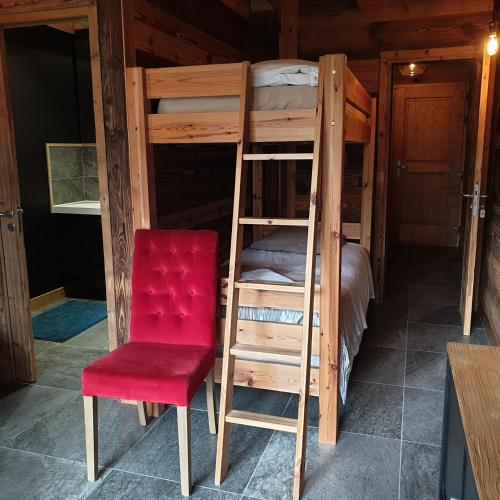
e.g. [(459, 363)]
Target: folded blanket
[(284, 72)]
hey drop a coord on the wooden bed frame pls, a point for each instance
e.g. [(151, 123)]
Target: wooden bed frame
[(348, 117)]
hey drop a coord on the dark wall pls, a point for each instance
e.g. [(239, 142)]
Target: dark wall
[(49, 80)]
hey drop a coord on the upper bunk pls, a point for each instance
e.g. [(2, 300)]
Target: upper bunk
[(148, 86)]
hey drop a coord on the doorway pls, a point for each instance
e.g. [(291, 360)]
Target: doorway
[(438, 199), (17, 345), (49, 76)]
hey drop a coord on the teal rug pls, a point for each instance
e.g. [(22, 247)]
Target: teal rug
[(68, 319)]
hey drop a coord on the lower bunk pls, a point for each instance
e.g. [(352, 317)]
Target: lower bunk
[(273, 319)]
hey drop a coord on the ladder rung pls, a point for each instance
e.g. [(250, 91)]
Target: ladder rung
[(270, 286), (258, 221), (261, 420), (278, 156), (261, 353)]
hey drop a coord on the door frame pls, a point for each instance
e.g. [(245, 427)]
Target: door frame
[(108, 85), (387, 60)]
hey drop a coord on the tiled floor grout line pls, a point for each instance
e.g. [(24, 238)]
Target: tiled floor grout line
[(77, 461), (151, 427), (423, 388), (374, 383), (35, 384), (36, 420), (193, 486), (263, 452), (36, 453), (403, 401)]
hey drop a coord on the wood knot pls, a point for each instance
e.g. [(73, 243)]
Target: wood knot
[(335, 235)]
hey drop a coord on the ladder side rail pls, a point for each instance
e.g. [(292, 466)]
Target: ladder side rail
[(309, 285), (226, 395)]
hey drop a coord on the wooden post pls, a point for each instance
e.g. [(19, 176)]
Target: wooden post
[(367, 182), (331, 245), (289, 14), (106, 45), (142, 176)]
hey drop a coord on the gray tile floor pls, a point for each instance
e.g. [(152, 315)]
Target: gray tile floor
[(389, 445)]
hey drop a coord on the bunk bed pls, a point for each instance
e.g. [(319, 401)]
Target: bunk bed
[(199, 104)]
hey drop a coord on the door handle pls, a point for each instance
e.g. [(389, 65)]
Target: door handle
[(399, 168), (8, 213)]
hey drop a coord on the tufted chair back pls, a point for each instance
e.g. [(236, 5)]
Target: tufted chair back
[(174, 287)]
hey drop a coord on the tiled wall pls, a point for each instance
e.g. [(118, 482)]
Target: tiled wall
[(73, 173)]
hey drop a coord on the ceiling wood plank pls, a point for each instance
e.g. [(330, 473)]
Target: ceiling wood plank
[(368, 41), (241, 7), (323, 17), (160, 33)]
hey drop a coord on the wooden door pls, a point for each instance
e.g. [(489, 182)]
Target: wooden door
[(17, 360), (427, 163), (476, 195)]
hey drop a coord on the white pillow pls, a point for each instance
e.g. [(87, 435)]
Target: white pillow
[(284, 72), (286, 239)]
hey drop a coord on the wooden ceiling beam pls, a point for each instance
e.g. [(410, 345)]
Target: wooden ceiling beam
[(241, 7), (365, 41), (160, 33), (322, 17)]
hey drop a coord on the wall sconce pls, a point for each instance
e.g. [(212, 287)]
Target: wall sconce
[(492, 44), (412, 69)]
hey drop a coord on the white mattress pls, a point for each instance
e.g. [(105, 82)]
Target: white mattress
[(356, 292), (263, 98)]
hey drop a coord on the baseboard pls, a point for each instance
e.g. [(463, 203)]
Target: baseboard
[(47, 299)]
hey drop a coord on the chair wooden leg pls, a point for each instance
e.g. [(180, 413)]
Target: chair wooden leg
[(142, 408), (184, 430), (90, 411), (210, 385)]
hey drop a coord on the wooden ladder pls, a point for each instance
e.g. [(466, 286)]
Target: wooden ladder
[(233, 349)]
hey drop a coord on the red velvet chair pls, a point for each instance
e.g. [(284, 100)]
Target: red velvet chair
[(172, 337)]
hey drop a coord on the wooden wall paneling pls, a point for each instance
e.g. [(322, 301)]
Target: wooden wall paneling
[(161, 33), (198, 215), (142, 176), (331, 222), (116, 195), (366, 71)]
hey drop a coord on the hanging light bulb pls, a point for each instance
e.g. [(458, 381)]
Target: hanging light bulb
[(492, 44)]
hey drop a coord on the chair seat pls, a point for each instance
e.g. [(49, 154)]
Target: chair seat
[(147, 371)]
